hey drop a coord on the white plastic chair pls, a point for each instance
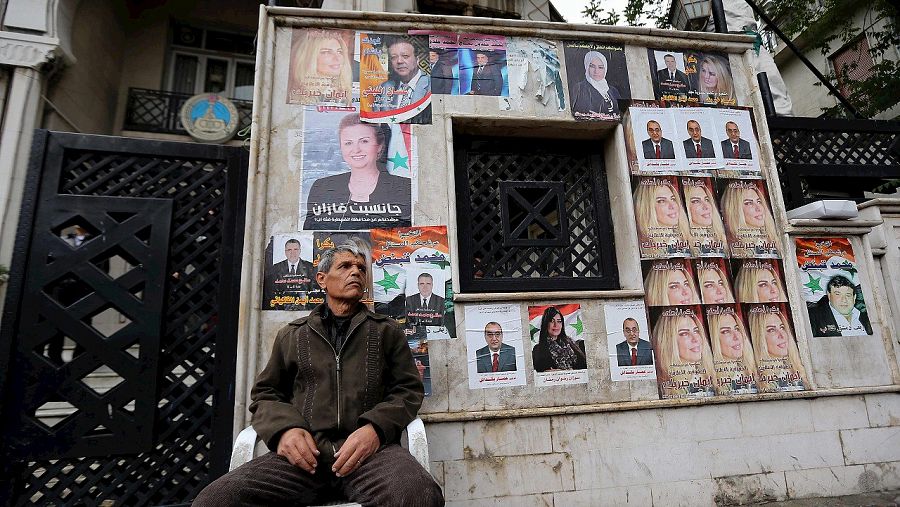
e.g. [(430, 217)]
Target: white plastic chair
[(245, 449)]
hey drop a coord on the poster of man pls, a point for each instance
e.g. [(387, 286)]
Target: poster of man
[(732, 351), (289, 275), (535, 83), (737, 139), (670, 82), (628, 341), (322, 69), (775, 348), (399, 256), (558, 352), (494, 346), (394, 79), (829, 282), (695, 126), (598, 79), (652, 130), (684, 364), (355, 176)]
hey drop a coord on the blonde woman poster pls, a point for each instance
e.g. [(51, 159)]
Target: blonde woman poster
[(707, 229), (670, 282), (662, 224), (322, 67), (759, 281), (714, 281), (733, 359), (684, 363), (775, 348), (749, 225)]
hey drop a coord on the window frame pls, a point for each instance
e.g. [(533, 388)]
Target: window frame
[(602, 217)]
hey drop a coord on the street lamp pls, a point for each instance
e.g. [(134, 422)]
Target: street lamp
[(690, 15)]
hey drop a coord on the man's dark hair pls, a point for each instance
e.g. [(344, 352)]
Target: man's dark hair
[(425, 275), (292, 240), (494, 323), (668, 55), (632, 320), (839, 281)]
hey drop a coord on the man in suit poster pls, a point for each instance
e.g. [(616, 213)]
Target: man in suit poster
[(402, 91), (423, 306), (670, 82), (628, 348), (696, 131), (288, 276), (738, 140), (494, 346)]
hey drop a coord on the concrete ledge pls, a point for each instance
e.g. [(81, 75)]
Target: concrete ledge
[(648, 405)]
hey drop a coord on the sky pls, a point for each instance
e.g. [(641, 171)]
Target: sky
[(571, 9)]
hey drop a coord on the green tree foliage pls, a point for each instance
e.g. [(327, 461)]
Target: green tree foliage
[(822, 25)]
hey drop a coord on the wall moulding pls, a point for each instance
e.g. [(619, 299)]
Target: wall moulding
[(21, 50)]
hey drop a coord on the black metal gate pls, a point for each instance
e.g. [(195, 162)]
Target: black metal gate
[(117, 352)]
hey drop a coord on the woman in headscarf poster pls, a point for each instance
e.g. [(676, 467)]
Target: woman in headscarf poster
[(598, 78)]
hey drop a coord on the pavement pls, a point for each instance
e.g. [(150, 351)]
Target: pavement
[(883, 499)]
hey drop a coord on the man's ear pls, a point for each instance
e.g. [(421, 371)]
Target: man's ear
[(320, 279)]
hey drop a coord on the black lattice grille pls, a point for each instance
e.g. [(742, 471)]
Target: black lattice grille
[(563, 250), (820, 158), (158, 111), (176, 462)]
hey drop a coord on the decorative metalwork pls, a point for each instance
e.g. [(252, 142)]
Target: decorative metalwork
[(557, 235), (157, 111), (129, 254), (820, 158)]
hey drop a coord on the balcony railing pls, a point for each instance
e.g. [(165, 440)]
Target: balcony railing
[(157, 111)]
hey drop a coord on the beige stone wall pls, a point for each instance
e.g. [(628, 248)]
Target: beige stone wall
[(730, 454)]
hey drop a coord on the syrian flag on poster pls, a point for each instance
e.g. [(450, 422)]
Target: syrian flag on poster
[(389, 281), (571, 315), (399, 155)]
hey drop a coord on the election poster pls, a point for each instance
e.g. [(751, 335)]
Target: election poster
[(289, 275), (355, 176), (598, 79), (749, 225), (714, 280), (322, 69), (394, 80), (533, 69), (737, 141), (693, 128), (494, 348), (733, 360), (412, 279), (323, 241), (684, 364), (706, 227), (557, 344), (691, 76), (477, 62), (759, 280), (775, 348), (661, 219), (649, 134), (670, 282), (628, 341), (829, 282), (419, 347)]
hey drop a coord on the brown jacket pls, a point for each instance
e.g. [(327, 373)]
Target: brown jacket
[(307, 384)]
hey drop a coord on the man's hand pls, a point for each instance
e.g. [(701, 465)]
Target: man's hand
[(298, 446), (361, 444)]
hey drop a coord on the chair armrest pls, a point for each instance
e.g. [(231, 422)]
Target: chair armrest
[(418, 442), (243, 449)]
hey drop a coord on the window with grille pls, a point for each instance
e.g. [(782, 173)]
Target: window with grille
[(532, 215), (210, 61), (853, 63)]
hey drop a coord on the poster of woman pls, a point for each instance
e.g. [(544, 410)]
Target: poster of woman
[(346, 178), (662, 224), (775, 348), (710, 76), (707, 229), (714, 281), (322, 67), (598, 79), (733, 359), (759, 280), (829, 282), (684, 363), (669, 282), (749, 225), (557, 344)]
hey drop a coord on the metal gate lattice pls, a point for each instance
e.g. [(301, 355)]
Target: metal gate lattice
[(183, 429), (569, 233)]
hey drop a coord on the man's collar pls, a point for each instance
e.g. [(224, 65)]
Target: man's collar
[(412, 82)]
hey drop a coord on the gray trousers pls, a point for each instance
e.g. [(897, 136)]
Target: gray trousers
[(390, 477)]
